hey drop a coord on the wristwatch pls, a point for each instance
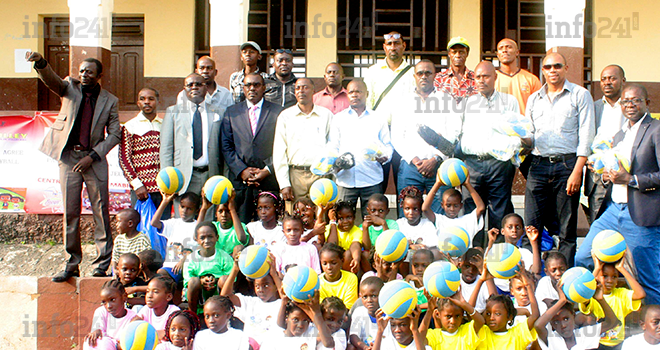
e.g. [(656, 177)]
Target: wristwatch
[(633, 182)]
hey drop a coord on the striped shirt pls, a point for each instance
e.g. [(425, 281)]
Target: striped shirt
[(135, 245)]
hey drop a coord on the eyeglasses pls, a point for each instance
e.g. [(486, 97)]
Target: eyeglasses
[(556, 66), (423, 73), (392, 36), (284, 51), (255, 85), (635, 101), (195, 84)]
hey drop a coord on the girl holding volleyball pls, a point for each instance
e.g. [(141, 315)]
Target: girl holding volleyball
[(180, 331), (399, 333), (109, 318), (420, 231), (313, 224)]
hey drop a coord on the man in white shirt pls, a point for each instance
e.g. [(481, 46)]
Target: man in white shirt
[(300, 134), (217, 96)]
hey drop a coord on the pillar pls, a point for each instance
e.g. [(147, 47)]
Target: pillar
[(90, 34), (465, 21), (228, 32), (322, 27), (564, 33)]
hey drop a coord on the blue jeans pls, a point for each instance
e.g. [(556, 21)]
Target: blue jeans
[(545, 194), (410, 176), (643, 243)]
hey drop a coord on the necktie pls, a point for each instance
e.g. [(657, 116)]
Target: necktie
[(197, 133), (253, 119), (86, 120)]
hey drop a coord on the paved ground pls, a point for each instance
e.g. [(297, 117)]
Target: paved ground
[(40, 259)]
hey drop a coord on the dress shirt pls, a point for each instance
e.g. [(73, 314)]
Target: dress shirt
[(335, 103), (350, 132), (257, 111), (481, 118), (299, 139), (611, 120), (204, 159), (446, 81), (564, 125), (378, 77), (412, 112), (624, 148)]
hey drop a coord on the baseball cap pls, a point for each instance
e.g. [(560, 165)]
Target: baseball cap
[(253, 44), (458, 40)]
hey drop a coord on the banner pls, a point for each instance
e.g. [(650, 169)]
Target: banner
[(30, 181)]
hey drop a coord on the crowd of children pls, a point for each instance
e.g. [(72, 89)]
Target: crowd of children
[(196, 297)]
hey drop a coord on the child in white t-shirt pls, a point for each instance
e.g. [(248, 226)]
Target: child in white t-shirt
[(399, 333), (650, 339), (420, 231), (472, 267), (295, 252), (268, 230), (217, 312)]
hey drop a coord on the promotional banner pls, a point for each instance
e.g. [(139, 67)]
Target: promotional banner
[(29, 181)]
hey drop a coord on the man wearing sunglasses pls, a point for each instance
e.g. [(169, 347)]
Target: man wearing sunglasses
[(217, 96), (280, 86), (562, 114)]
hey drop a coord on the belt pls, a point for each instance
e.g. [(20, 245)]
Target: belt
[(480, 157), (201, 169), (300, 167), (559, 158), (79, 148)]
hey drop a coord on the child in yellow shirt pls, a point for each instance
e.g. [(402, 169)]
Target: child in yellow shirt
[(342, 231), (334, 280)]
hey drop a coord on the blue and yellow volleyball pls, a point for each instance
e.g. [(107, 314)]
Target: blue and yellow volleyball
[(300, 282), (217, 189), (453, 172), (454, 240), (254, 261), (502, 260), (397, 299), (442, 279), (579, 284), (139, 335), (392, 245), (170, 180), (609, 246), (323, 165), (323, 191)]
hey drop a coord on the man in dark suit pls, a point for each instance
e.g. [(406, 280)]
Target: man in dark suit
[(247, 134), (632, 203), (78, 141)]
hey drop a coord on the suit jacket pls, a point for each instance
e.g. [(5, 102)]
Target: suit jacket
[(240, 148), (176, 145), (105, 120), (644, 202), (591, 179)]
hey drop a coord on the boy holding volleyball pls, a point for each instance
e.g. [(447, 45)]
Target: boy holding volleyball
[(363, 325)]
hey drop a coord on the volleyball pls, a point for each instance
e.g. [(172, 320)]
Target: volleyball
[(397, 299), (217, 189), (392, 245), (170, 180), (442, 279), (323, 191), (300, 282), (502, 260), (453, 172), (139, 335), (579, 284), (609, 246), (254, 261), (323, 165), (454, 240), (597, 163)]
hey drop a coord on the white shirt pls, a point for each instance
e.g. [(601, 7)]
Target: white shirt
[(350, 132), (587, 337), (611, 120), (638, 342), (412, 112), (362, 326), (140, 125), (390, 343), (527, 257), (545, 290), (378, 77), (232, 339), (299, 138), (469, 222), (481, 118), (423, 233), (468, 288), (158, 322), (259, 317), (167, 346), (304, 254), (624, 148), (264, 237), (178, 231), (204, 159)]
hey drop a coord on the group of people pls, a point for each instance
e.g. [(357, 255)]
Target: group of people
[(265, 134)]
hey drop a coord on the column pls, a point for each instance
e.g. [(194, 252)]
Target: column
[(322, 27), (564, 33), (90, 34), (465, 21), (228, 32)]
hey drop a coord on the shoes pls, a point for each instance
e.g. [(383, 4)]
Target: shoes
[(65, 275), (98, 272)]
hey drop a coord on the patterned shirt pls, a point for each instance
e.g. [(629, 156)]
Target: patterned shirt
[(236, 84), (279, 93), (446, 81), (135, 245), (139, 149)]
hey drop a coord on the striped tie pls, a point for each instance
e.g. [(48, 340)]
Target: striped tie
[(253, 118)]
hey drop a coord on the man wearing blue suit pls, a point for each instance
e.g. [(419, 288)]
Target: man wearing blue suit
[(632, 203), (247, 134)]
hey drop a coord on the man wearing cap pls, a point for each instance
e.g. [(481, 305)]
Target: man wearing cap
[(280, 85), (217, 97), (511, 79), (334, 97), (457, 80), (250, 56)]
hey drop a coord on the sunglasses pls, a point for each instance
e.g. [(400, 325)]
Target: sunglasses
[(189, 85), (392, 36), (423, 73), (284, 51), (249, 85), (555, 66)]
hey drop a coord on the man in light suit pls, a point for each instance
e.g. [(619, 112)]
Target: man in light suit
[(78, 141), (632, 202), (184, 137), (248, 131)]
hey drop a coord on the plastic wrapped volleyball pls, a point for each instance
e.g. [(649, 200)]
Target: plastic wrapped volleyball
[(609, 246), (218, 189), (170, 180), (323, 165), (139, 335), (454, 240), (323, 191), (442, 279), (579, 284), (453, 172), (502, 260), (515, 124), (373, 151), (300, 282), (397, 299), (254, 261), (392, 245)]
